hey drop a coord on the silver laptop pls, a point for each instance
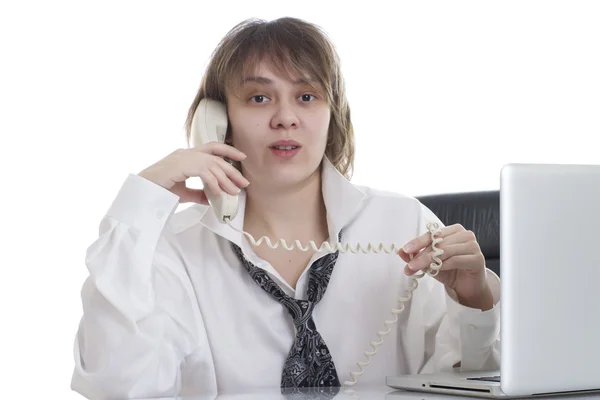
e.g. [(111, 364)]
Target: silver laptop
[(550, 291)]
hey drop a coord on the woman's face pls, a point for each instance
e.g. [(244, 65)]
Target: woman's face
[(281, 124)]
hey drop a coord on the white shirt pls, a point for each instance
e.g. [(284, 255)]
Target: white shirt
[(170, 310)]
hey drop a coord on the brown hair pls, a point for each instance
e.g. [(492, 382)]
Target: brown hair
[(292, 46)]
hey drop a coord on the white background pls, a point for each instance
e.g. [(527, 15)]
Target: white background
[(443, 93)]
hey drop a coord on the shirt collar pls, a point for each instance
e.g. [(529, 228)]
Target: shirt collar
[(342, 200)]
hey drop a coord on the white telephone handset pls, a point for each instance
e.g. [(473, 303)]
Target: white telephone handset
[(209, 124)]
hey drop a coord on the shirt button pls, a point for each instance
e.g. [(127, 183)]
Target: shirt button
[(160, 214)]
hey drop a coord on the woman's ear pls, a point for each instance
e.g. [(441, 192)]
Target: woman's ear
[(228, 138)]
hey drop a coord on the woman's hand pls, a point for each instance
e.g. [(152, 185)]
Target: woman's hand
[(204, 161), (463, 264)]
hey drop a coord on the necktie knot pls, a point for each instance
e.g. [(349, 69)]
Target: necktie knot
[(300, 310)]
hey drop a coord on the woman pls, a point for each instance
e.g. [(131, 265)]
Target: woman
[(181, 303)]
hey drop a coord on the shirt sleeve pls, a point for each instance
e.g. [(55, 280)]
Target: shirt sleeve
[(140, 318), (456, 333)]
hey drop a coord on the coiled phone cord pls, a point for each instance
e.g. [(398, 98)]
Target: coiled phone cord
[(433, 270)]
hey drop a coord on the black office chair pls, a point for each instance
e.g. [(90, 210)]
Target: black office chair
[(476, 211)]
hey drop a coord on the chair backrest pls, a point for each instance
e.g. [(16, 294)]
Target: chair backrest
[(476, 211)]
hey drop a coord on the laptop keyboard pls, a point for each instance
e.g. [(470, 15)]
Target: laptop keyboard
[(486, 378)]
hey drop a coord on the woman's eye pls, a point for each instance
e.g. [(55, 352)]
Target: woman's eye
[(258, 98), (307, 97)]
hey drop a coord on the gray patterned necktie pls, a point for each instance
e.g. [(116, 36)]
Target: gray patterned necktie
[(309, 363)]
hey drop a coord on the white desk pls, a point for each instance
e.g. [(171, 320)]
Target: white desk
[(373, 393)]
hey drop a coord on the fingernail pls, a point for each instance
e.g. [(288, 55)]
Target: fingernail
[(412, 267), (408, 247)]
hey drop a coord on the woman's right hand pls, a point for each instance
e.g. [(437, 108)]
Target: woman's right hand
[(204, 161)]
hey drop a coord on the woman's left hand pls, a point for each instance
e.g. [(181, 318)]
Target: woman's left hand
[(463, 264)]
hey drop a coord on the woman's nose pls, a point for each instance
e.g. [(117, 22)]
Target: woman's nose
[(285, 117)]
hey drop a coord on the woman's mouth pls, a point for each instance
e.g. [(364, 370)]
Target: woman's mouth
[(285, 151), (285, 147)]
